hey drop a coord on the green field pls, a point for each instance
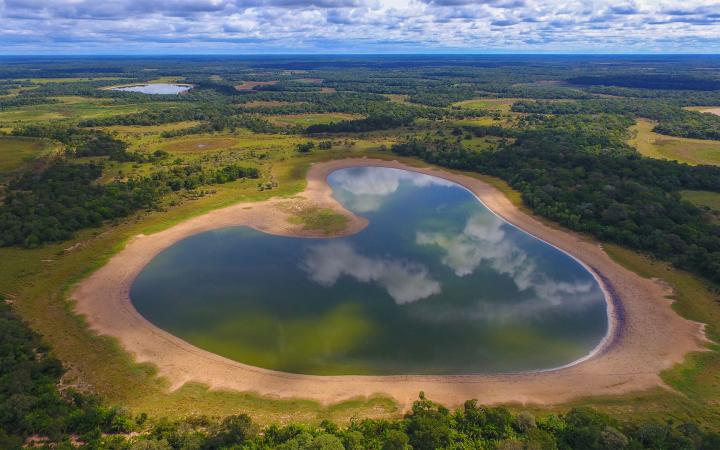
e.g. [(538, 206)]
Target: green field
[(496, 104), (305, 120), (690, 151), (69, 79), (75, 108), (17, 152)]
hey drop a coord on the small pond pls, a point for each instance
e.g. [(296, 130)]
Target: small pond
[(155, 88)]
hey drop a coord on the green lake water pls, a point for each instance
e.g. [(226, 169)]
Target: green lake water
[(436, 284)]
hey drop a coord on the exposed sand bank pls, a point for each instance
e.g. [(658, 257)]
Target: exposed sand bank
[(646, 336)]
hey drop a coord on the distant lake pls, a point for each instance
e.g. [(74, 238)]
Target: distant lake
[(436, 284), (155, 88)]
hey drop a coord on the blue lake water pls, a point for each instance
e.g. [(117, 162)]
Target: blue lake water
[(155, 88), (436, 284)]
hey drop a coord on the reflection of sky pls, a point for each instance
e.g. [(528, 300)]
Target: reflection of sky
[(483, 242), (155, 88), (364, 190), (404, 281)]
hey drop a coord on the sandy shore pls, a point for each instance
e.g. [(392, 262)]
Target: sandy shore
[(646, 336), (715, 111)]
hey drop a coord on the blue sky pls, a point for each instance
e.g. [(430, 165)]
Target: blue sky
[(357, 26)]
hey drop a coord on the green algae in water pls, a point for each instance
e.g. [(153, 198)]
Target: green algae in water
[(436, 284)]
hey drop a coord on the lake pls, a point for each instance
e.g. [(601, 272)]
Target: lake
[(436, 284), (155, 88)]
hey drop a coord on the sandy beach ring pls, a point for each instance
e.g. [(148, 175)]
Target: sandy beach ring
[(646, 336)]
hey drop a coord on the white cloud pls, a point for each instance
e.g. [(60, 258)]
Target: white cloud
[(404, 281), (361, 25)]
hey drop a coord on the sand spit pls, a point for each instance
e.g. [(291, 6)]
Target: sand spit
[(646, 336)]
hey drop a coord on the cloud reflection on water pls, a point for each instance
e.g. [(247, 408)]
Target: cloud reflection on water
[(404, 281), (364, 190), (484, 242)]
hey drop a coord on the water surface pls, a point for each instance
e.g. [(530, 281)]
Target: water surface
[(436, 284), (155, 88)]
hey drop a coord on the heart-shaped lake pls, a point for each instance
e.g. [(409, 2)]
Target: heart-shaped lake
[(436, 284)]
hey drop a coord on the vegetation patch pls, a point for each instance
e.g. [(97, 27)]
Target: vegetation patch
[(68, 111), (498, 104), (17, 152), (305, 120), (199, 144), (686, 150), (324, 220), (250, 85)]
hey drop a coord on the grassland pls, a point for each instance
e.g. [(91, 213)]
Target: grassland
[(305, 120), (72, 108), (690, 151), (480, 144), (709, 201), (18, 152), (480, 121), (496, 104), (249, 85), (324, 220), (68, 79)]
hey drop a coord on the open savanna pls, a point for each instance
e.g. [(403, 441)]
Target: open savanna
[(305, 120), (496, 104), (690, 151), (68, 79), (72, 108), (249, 85), (706, 109), (17, 152), (130, 131), (38, 280)]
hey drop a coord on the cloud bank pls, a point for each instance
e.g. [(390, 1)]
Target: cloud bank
[(336, 26)]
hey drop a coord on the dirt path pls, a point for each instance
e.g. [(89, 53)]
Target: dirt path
[(646, 335)]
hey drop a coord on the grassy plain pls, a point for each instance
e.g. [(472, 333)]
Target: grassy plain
[(72, 108), (69, 79), (497, 104), (324, 220), (18, 152), (305, 120), (690, 151)]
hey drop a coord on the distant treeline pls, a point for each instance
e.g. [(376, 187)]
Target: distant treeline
[(650, 81)]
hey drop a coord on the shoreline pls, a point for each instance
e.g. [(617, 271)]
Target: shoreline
[(612, 303), (645, 336)]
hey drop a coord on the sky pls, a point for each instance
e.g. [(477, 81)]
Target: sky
[(357, 26)]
